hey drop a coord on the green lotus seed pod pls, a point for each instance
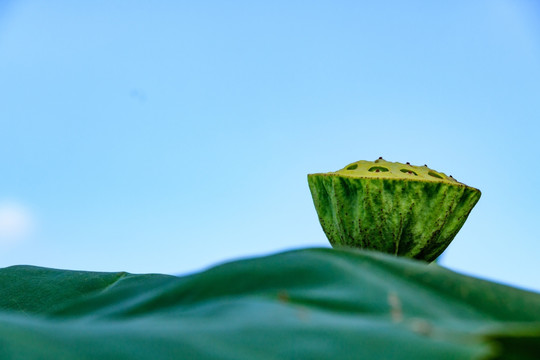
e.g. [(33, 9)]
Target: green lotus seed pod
[(396, 208)]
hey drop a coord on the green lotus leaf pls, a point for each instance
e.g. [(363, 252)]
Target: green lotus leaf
[(303, 304)]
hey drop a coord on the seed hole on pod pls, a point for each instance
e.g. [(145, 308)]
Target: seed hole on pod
[(352, 167), (410, 172), (434, 174), (378, 169)]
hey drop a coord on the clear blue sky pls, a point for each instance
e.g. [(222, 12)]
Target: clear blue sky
[(170, 136)]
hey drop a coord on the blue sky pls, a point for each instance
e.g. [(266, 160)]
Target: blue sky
[(171, 136)]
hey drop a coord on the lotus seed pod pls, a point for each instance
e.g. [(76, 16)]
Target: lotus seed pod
[(402, 209)]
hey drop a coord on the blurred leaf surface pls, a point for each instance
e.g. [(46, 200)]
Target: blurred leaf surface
[(303, 304)]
